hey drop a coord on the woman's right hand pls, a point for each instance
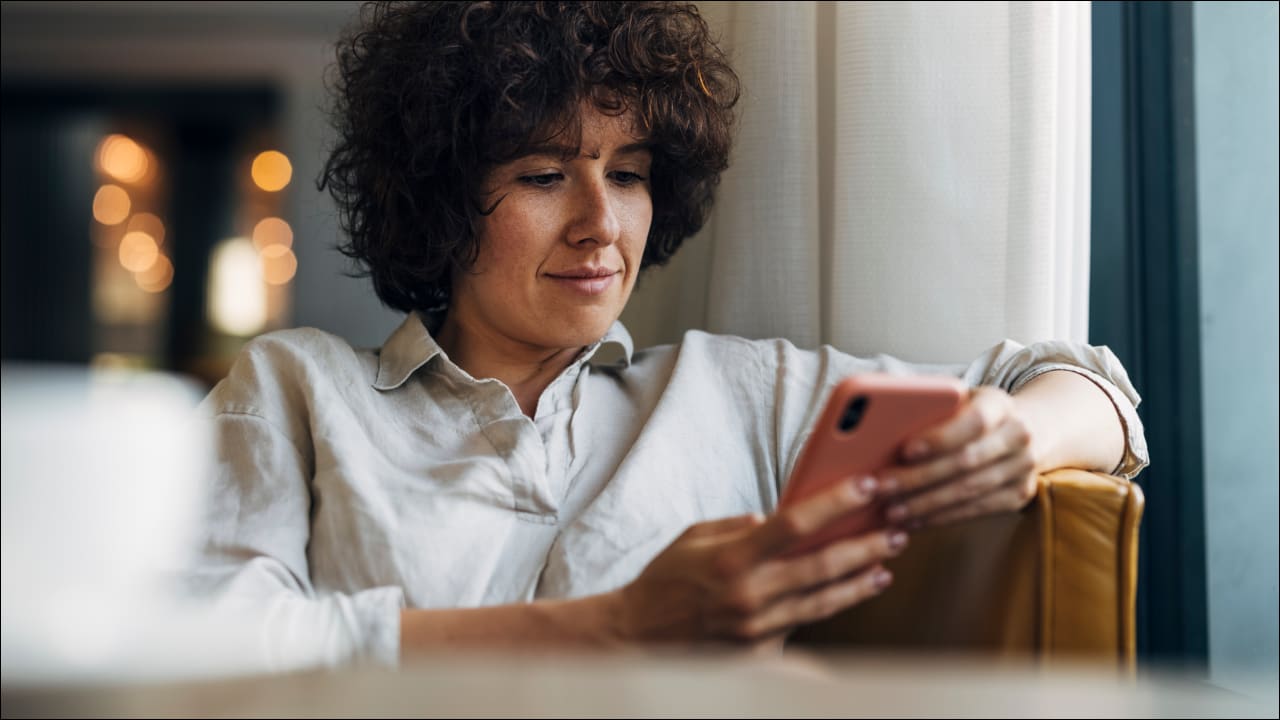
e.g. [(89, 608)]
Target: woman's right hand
[(731, 580)]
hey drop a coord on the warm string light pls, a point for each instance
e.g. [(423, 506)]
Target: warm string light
[(238, 265), (156, 278), (123, 159), (272, 236), (278, 264), (111, 205), (272, 231), (271, 170), (138, 241), (149, 224), (138, 251)]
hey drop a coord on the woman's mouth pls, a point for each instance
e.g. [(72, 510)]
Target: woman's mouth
[(587, 281)]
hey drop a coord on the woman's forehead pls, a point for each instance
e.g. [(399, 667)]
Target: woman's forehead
[(588, 132)]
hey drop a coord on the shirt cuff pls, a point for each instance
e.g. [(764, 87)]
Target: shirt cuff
[(333, 630)]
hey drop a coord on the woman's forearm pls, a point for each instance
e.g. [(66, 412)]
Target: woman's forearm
[(581, 623), (1073, 423)]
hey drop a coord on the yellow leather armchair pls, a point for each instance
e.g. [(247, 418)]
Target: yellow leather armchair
[(1058, 580)]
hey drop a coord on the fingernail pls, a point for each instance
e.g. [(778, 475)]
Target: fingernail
[(868, 485), (897, 540), (896, 513), (852, 490), (917, 448), (883, 578)]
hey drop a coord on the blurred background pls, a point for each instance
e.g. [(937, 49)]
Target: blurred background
[(159, 208), (159, 183)]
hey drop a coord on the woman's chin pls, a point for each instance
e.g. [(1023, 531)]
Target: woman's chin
[(578, 326), (576, 334)]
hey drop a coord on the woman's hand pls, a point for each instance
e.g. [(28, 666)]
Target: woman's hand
[(979, 462), (731, 581)]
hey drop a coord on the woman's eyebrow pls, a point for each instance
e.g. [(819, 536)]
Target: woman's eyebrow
[(557, 150), (634, 148)]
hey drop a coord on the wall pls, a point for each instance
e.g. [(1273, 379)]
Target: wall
[(1239, 226), (208, 43)]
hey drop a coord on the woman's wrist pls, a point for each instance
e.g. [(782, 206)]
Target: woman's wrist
[(609, 619), (1071, 421)]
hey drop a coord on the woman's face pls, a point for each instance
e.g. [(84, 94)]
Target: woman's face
[(559, 256)]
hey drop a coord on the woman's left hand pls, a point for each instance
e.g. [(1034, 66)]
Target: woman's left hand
[(979, 462)]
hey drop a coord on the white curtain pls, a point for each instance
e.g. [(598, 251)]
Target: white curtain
[(909, 178)]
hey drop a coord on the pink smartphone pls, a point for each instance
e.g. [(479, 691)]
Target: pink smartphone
[(860, 431)]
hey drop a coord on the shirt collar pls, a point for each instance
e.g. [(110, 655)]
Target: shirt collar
[(614, 349), (410, 346)]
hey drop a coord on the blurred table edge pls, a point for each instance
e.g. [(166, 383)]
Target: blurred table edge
[(549, 684)]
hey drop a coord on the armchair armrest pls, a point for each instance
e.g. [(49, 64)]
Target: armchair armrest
[(1056, 580)]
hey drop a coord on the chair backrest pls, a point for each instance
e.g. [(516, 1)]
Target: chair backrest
[(1058, 580)]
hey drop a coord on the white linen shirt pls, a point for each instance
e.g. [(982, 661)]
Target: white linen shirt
[(353, 483)]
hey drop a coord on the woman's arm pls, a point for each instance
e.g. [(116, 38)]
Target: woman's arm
[(585, 623)]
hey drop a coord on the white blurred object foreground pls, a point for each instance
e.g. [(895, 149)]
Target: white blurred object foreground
[(103, 481)]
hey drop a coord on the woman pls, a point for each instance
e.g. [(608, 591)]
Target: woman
[(506, 469)]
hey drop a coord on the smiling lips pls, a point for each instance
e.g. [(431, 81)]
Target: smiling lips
[(586, 280)]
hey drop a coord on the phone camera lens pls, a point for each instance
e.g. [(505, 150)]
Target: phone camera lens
[(853, 413)]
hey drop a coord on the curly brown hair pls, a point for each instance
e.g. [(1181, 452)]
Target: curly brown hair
[(429, 97)]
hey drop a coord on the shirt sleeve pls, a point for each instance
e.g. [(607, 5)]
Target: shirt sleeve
[(252, 563)]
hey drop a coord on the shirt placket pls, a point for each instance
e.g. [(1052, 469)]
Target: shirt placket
[(518, 444), (555, 409)]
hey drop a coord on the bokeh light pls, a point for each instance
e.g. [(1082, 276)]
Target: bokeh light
[(111, 205), (138, 251), (122, 158), (157, 277), (278, 264), (271, 170), (149, 224), (237, 299), (272, 231)]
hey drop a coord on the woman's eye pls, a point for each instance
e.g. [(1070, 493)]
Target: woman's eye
[(622, 177), (543, 180)]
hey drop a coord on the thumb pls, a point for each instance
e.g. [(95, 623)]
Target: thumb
[(724, 525)]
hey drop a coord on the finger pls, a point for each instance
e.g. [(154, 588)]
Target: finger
[(901, 480), (781, 577), (1010, 498), (723, 525), (794, 523), (985, 410), (1009, 437), (967, 487), (817, 604)]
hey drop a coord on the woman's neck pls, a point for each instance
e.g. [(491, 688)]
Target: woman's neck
[(525, 369)]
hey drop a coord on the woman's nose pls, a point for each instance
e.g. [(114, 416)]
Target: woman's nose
[(596, 217)]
